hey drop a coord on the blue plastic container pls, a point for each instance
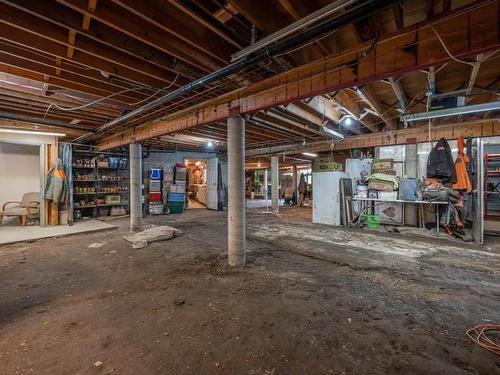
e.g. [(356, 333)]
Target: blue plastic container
[(156, 174), (176, 197)]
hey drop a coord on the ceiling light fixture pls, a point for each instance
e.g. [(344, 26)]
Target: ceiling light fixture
[(21, 131), (347, 120), (309, 154), (210, 144)]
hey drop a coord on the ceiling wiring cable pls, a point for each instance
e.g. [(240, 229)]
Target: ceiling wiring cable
[(69, 109), (448, 51)]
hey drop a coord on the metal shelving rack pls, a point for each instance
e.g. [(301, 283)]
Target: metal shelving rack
[(491, 185), (102, 178)]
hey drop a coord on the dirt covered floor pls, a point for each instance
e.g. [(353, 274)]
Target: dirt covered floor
[(312, 300)]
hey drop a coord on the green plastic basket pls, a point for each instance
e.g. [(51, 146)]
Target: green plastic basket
[(372, 221)]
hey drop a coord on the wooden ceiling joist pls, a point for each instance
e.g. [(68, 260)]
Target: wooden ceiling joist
[(131, 24), (48, 30), (467, 32)]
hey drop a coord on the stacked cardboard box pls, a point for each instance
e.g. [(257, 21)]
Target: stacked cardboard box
[(326, 164)]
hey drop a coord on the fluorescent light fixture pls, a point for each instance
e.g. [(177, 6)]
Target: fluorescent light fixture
[(483, 107), (22, 131), (331, 133), (309, 154), (288, 174)]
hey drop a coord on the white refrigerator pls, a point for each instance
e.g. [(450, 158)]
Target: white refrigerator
[(326, 197)]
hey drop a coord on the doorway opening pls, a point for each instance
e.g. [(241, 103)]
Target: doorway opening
[(204, 184), (20, 194), (197, 184)]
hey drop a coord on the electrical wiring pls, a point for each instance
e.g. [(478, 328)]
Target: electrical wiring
[(478, 335), (69, 109), (483, 59)]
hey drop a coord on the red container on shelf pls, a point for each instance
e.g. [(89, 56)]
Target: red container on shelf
[(155, 197)]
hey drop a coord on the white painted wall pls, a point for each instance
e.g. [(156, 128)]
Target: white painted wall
[(19, 171)]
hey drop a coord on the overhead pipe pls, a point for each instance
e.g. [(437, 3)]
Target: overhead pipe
[(314, 17), (359, 12), (475, 108), (280, 149), (59, 124)]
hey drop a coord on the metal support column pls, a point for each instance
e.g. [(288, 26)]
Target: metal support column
[(236, 224)]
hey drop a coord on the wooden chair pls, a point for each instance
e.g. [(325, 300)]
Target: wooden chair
[(29, 206)]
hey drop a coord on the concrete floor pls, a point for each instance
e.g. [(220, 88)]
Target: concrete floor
[(13, 232), (312, 300)]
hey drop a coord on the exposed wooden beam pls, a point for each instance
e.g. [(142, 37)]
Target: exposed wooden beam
[(277, 122), (323, 107), (299, 111), (478, 27), (78, 80), (480, 128), (71, 43), (369, 96), (473, 74), (280, 117), (173, 21), (399, 92), (130, 24), (296, 15), (219, 28), (398, 13), (349, 105), (103, 42), (86, 17)]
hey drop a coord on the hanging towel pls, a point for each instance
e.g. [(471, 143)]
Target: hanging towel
[(463, 181)]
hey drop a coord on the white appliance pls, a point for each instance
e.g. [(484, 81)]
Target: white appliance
[(326, 197)]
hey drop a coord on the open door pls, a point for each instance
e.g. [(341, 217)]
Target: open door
[(212, 184)]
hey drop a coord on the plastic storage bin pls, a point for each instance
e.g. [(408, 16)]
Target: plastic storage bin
[(154, 186), (156, 174), (176, 197), (176, 207), (155, 196), (388, 195)]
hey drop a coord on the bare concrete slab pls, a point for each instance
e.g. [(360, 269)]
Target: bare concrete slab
[(11, 234)]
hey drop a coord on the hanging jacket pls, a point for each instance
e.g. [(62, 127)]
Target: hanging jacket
[(56, 183), (440, 163), (470, 165), (463, 182)]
